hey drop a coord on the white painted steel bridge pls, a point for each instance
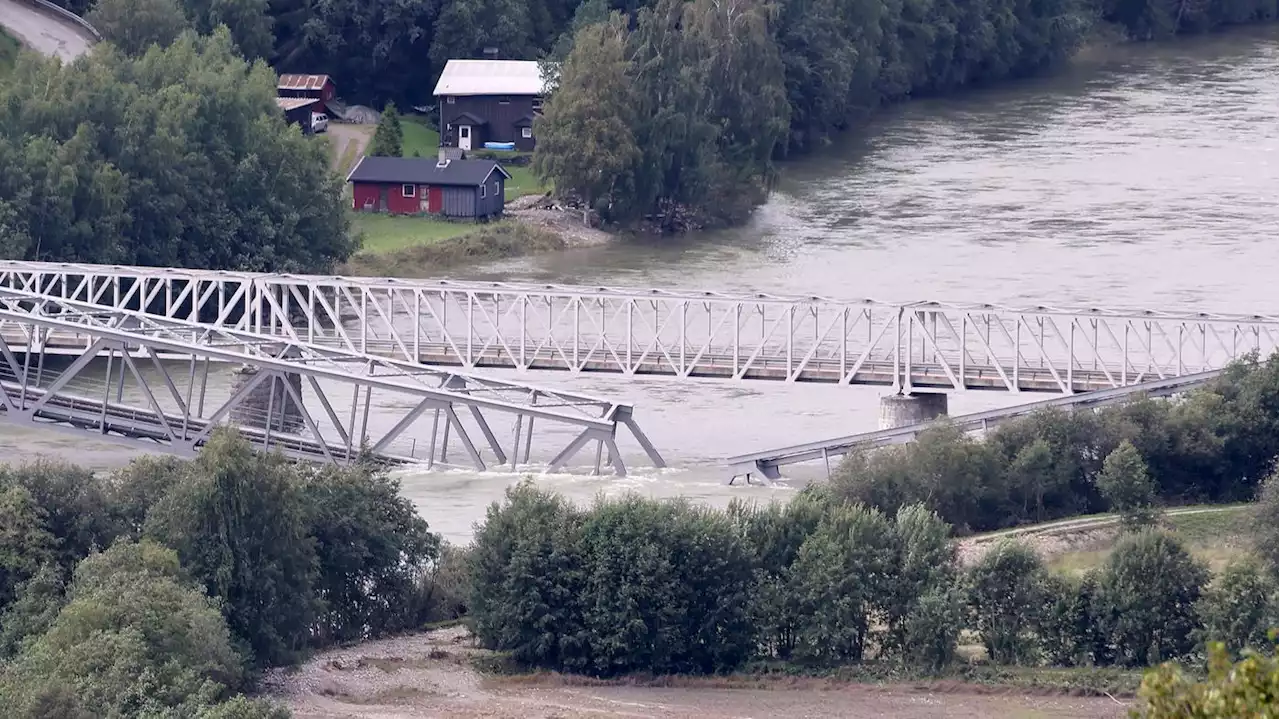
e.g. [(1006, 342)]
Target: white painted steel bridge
[(308, 401), (925, 346)]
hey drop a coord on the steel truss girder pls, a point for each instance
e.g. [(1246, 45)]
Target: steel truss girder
[(170, 410), (922, 345)]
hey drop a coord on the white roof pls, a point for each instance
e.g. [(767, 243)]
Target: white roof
[(490, 77)]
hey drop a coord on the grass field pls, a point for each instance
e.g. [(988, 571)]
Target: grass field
[(386, 233), (8, 52), (1216, 538), (419, 137)]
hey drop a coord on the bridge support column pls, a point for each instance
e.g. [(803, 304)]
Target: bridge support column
[(900, 410), (269, 398)]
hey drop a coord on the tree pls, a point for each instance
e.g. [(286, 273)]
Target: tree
[(137, 638), (1127, 487), (371, 549), (136, 25), (1006, 597), (841, 578), (248, 21), (36, 606), (388, 138), (179, 158), (926, 567), (74, 506), (238, 522), (24, 543), (1145, 600), (586, 144)]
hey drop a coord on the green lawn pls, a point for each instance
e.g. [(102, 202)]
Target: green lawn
[(522, 182), (419, 137), (385, 233), (8, 52)]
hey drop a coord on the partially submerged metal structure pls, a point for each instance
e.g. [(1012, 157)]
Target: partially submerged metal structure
[(138, 377), (908, 347)]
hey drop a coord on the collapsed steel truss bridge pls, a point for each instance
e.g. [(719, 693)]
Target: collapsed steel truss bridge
[(136, 376), (916, 346)]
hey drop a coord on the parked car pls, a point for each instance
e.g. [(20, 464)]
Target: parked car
[(319, 122)]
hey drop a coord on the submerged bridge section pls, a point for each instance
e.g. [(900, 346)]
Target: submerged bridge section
[(768, 464), (913, 347), (307, 401)]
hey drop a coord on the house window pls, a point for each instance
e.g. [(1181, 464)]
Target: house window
[(450, 99), (526, 132), (495, 189), (537, 104), (484, 191), (424, 189), (407, 190), (504, 101)]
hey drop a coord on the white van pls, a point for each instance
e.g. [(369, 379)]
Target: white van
[(319, 122)]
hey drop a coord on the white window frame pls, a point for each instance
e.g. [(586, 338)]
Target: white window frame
[(526, 132), (504, 101), (484, 191), (495, 188), (407, 190), (450, 99)]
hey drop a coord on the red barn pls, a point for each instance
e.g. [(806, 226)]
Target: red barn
[(319, 87), (419, 186)]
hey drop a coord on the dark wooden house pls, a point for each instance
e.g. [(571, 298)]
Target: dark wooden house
[(419, 186), (317, 87), (489, 101), (297, 110)]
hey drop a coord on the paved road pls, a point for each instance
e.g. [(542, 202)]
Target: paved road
[(43, 31)]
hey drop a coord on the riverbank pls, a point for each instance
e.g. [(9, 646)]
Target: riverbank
[(434, 674)]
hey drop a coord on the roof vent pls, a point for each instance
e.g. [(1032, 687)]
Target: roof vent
[(442, 163)]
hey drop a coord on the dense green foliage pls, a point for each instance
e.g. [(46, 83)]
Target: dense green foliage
[(686, 104), (1213, 445), (216, 566), (177, 158), (134, 26), (638, 585), (1248, 688)]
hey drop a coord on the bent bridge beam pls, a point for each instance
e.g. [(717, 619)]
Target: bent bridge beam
[(906, 347), (306, 401), (767, 464)]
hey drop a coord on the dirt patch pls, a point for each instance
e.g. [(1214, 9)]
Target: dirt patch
[(349, 142), (541, 211), (1048, 544), (431, 675)]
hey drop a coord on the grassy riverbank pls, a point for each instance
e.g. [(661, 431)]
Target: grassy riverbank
[(421, 247)]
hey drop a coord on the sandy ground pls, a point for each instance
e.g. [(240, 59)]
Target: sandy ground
[(429, 676), (43, 31), (537, 210)]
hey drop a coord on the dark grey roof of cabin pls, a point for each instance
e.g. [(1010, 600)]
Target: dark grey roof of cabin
[(424, 171)]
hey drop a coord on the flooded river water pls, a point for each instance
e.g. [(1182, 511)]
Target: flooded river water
[(1143, 176)]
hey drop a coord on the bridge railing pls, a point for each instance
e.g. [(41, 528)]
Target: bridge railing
[(924, 345)]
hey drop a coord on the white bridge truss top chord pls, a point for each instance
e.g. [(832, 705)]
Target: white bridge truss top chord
[(169, 407), (914, 346)]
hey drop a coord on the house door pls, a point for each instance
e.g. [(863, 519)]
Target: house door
[(464, 137), (435, 200), (382, 200)]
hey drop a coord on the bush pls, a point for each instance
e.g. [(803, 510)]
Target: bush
[(489, 242), (1144, 606), (1238, 608), (1065, 629), (1006, 592), (1267, 524), (841, 578), (1246, 689), (527, 580), (931, 628)]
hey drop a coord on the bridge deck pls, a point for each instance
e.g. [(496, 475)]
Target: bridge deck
[(905, 346)]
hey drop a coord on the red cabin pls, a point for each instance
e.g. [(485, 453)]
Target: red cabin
[(472, 189), (319, 87)]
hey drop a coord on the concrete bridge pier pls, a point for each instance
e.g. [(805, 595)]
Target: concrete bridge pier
[(269, 400), (899, 410)]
